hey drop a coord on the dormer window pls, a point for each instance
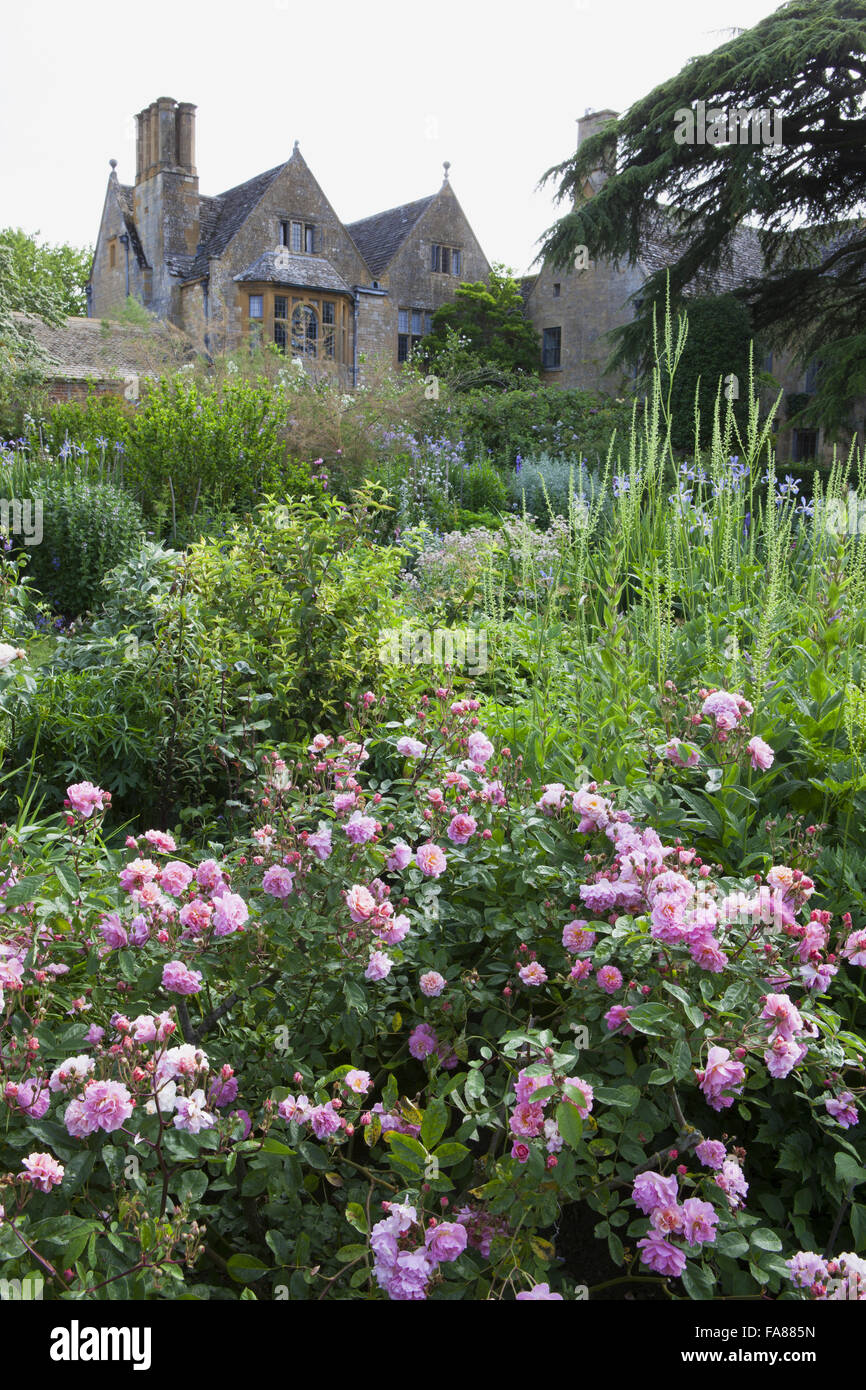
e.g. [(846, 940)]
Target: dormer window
[(299, 237)]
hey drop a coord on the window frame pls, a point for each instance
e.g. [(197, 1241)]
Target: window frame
[(407, 338), (306, 238), (331, 335), (554, 348), (445, 260)]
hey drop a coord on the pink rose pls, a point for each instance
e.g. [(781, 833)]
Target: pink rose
[(430, 860), (461, 829), (432, 984)]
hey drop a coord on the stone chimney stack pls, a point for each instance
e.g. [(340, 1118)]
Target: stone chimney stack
[(165, 141), (588, 125), (186, 137), (166, 202)]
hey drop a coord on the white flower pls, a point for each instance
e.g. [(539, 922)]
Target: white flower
[(192, 1115), (8, 654), (72, 1070), (167, 1096)]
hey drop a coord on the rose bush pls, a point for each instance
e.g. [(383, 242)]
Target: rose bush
[(381, 1047)]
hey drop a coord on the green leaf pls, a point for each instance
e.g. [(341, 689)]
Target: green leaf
[(696, 1281), (848, 1170), (450, 1153), (569, 1124), (654, 1019), (25, 890), (474, 1088), (406, 1145), (357, 1217), (245, 1269), (314, 1155), (764, 1239), (67, 880), (192, 1185), (275, 1146), (346, 1253), (626, 1097), (434, 1124), (695, 1015), (682, 1059), (659, 1076), (731, 1243)]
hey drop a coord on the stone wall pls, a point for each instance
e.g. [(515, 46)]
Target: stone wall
[(410, 281), (293, 194)]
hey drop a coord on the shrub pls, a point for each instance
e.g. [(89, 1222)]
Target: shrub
[(138, 698), (503, 425), (479, 487), (195, 444), (88, 528), (336, 1035), (547, 484), (101, 427), (294, 601)]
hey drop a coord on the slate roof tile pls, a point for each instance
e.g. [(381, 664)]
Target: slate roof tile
[(380, 237), (302, 272), (82, 348)]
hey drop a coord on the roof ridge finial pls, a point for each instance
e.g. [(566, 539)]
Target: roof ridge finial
[(446, 165), (113, 163), (297, 147)]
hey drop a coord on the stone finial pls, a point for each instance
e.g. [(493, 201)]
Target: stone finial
[(446, 165), (297, 147), (113, 163)]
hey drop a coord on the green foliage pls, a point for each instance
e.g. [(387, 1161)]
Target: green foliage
[(130, 311), (88, 527), (98, 425), (552, 487), (135, 700), (530, 421), (61, 271), (192, 444), (802, 63), (492, 329), (717, 347), (479, 487), (294, 601)]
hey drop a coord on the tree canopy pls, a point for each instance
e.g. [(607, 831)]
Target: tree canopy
[(489, 319), (804, 192), (64, 269)]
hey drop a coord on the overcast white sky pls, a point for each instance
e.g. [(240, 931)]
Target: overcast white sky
[(378, 92)]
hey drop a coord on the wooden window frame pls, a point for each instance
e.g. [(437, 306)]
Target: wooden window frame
[(332, 337)]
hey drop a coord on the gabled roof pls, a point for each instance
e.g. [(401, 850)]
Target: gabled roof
[(379, 238), (527, 285), (83, 349), (125, 197), (744, 261), (224, 215), (301, 272)]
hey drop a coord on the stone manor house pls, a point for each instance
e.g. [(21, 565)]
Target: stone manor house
[(574, 310), (272, 259)]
